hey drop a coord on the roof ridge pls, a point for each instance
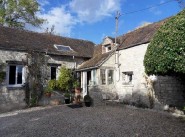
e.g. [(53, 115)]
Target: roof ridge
[(44, 34)]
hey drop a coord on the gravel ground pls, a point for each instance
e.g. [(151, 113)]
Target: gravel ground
[(100, 121)]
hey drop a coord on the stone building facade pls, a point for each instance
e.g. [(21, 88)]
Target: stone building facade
[(130, 84), (14, 48)]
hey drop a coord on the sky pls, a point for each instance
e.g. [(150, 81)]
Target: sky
[(93, 20)]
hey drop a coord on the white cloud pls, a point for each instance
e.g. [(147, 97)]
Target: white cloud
[(65, 17), (91, 11), (61, 19), (143, 24)]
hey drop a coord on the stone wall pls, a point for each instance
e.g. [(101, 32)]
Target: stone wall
[(14, 97), (102, 92), (170, 90)]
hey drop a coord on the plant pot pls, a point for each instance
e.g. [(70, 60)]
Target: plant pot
[(48, 94), (87, 104), (67, 100)]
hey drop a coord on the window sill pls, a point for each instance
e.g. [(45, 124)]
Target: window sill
[(128, 85), (14, 86)]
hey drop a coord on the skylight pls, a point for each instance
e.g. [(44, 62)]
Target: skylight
[(62, 47)]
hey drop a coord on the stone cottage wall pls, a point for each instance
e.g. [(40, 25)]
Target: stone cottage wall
[(168, 90), (14, 97), (11, 98)]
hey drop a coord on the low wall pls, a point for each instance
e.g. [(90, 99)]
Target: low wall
[(170, 90), (11, 99)]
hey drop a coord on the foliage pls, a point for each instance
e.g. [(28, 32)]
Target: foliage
[(36, 63), (48, 89), (166, 52), (2, 76), (65, 79), (67, 95), (2, 72), (18, 13), (52, 84), (76, 84)]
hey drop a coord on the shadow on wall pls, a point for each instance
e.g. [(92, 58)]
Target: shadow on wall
[(99, 95)]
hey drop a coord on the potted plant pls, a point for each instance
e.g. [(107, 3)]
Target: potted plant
[(48, 91), (65, 82), (77, 89), (87, 100), (67, 98), (76, 85)]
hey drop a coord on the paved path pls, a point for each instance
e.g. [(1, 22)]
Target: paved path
[(101, 121)]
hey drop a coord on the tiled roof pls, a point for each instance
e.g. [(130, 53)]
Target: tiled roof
[(21, 40), (97, 59), (139, 36), (133, 38)]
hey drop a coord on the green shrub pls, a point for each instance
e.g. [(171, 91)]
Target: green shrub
[(76, 84), (65, 79), (67, 95), (2, 76), (52, 84), (166, 52)]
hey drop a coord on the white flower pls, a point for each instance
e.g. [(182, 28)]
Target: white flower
[(153, 78)]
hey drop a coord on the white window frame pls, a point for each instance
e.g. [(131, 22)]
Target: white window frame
[(105, 77), (127, 78), (70, 49), (23, 76), (108, 76), (107, 48)]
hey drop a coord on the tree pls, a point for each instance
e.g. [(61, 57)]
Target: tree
[(18, 13), (166, 52)]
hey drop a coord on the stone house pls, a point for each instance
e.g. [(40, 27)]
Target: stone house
[(14, 46), (117, 72)]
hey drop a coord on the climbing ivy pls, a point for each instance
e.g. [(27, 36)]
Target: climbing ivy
[(166, 52)]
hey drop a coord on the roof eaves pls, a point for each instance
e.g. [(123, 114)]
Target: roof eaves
[(134, 45)]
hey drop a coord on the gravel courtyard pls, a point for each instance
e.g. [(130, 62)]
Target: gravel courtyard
[(100, 121)]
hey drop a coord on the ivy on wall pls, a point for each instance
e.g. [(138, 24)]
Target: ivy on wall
[(166, 52), (2, 72)]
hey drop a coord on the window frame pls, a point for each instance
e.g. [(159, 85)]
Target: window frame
[(112, 77), (128, 77), (55, 72), (63, 46), (102, 77), (16, 75)]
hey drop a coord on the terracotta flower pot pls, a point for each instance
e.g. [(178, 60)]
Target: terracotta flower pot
[(47, 94)]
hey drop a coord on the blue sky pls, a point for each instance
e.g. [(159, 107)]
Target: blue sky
[(94, 19)]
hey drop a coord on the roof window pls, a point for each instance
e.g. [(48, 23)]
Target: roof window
[(62, 47)]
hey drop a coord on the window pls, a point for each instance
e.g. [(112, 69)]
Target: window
[(53, 72), (62, 47), (15, 74), (102, 75), (127, 77), (108, 48), (110, 76)]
